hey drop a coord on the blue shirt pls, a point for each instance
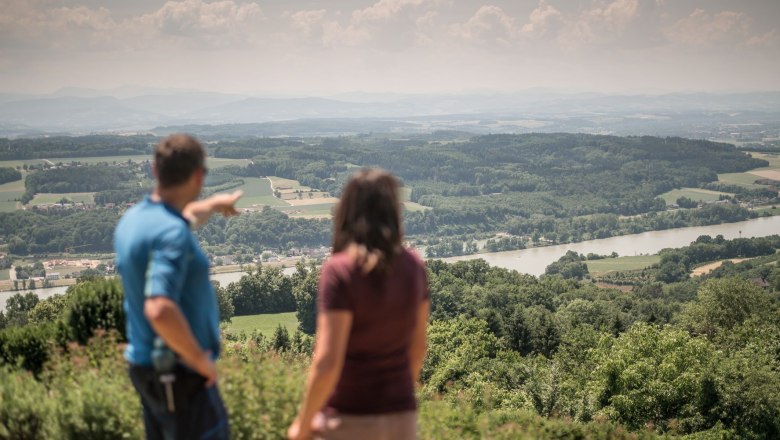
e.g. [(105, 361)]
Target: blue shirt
[(157, 255)]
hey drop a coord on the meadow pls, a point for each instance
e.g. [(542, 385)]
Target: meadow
[(698, 194), (620, 264), (265, 324), (258, 193), (9, 192)]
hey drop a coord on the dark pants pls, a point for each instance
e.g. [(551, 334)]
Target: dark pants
[(199, 413)]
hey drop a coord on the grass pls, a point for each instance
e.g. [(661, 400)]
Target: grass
[(9, 192), (293, 184), (622, 263), (47, 198), (768, 210), (773, 159), (319, 210), (702, 195), (744, 179), (220, 162), (4, 275), (257, 191), (265, 324)]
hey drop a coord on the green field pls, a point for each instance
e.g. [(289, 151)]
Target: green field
[(9, 192), (292, 184), (4, 275), (773, 159), (622, 263), (47, 198), (744, 179), (219, 162), (265, 324), (775, 210), (258, 192), (701, 195)]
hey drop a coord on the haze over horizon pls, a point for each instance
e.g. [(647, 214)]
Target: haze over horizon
[(324, 48)]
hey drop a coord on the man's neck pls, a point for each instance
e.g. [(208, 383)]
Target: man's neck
[(173, 197)]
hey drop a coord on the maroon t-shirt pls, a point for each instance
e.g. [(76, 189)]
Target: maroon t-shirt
[(376, 377)]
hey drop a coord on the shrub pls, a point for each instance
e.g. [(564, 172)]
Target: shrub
[(25, 409), (95, 305)]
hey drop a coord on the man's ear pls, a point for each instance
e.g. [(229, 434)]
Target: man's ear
[(154, 171)]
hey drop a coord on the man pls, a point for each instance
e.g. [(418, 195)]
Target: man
[(170, 305)]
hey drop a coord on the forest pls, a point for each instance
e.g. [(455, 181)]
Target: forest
[(510, 355)]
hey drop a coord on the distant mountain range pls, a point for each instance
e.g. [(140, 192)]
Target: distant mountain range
[(77, 110)]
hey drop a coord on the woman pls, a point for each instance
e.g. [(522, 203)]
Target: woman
[(373, 307)]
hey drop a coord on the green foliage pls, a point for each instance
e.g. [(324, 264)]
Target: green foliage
[(25, 407), (18, 308), (94, 397), (225, 302), (28, 346), (9, 175), (280, 341), (722, 304), (456, 348), (685, 202), (571, 265), (262, 290), (32, 232), (653, 375), (83, 178), (95, 305), (267, 229), (305, 282), (262, 390), (79, 146)]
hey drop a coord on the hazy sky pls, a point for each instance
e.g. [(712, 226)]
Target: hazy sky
[(419, 46)]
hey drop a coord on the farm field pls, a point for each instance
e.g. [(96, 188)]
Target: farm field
[(773, 159), (709, 267), (309, 211), (265, 323), (9, 192), (48, 198), (744, 179), (747, 178), (257, 192), (771, 209), (701, 195), (622, 263), (414, 207)]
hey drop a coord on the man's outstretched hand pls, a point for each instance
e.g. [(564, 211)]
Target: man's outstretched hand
[(199, 212)]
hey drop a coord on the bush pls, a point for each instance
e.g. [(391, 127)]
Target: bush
[(28, 346), (25, 407), (95, 305)]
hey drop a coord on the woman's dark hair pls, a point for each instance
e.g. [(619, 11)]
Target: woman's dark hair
[(368, 219)]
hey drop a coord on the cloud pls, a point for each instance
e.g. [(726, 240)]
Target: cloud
[(490, 24), (602, 22), (702, 29), (540, 20), (224, 23), (385, 25)]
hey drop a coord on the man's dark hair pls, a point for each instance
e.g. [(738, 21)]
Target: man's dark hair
[(176, 158)]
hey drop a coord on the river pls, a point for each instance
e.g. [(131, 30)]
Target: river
[(534, 260)]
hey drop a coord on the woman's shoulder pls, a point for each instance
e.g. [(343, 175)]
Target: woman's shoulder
[(412, 256)]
